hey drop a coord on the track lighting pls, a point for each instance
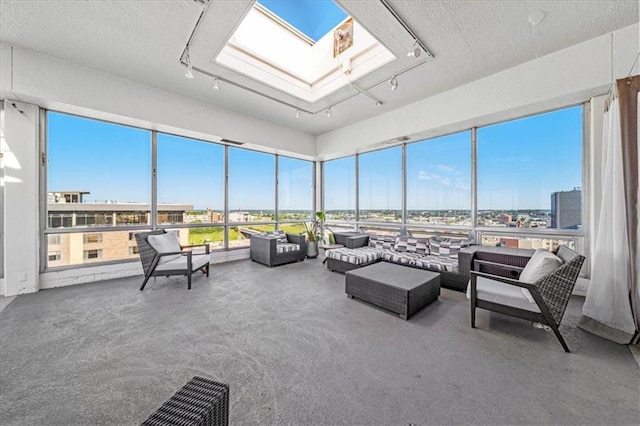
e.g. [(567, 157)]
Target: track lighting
[(216, 84), (297, 113), (187, 57), (329, 112), (393, 82), (415, 50)]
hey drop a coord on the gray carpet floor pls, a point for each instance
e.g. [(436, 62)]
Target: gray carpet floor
[(295, 350)]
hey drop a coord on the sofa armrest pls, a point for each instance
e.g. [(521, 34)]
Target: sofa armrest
[(297, 239), (357, 241)]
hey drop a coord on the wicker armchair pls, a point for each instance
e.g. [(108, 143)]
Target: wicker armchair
[(543, 301), (277, 248), (162, 254)]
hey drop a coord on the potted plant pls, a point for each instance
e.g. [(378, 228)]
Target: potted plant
[(315, 233)]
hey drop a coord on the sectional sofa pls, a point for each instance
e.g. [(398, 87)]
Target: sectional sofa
[(452, 258)]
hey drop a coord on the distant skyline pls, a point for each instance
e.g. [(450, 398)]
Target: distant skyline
[(520, 164)]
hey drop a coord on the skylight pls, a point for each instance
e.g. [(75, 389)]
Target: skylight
[(333, 50), (313, 18)]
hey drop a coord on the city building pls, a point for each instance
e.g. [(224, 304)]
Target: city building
[(68, 209), (566, 209)]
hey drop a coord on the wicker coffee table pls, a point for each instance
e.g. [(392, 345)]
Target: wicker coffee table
[(400, 289)]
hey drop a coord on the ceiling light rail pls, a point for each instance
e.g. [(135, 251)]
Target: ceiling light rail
[(407, 29), (185, 60)]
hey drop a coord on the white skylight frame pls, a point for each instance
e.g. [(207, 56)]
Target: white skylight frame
[(261, 48)]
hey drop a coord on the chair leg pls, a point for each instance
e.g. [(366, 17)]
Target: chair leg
[(145, 282), (556, 331), (189, 280), (207, 269), (473, 315)]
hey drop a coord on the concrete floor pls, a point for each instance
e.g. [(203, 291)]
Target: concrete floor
[(296, 350)]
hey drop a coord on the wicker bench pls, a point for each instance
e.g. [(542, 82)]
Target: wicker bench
[(201, 402), (396, 288)]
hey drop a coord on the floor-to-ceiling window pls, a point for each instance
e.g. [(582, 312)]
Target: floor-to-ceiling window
[(251, 194), (190, 174), (439, 180), (528, 183), (380, 185), (101, 188), (340, 189), (295, 193), (530, 177), (98, 184)]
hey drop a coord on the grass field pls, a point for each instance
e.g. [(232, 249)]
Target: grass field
[(216, 235)]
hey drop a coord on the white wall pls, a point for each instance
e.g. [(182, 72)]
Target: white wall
[(570, 76), (21, 220)]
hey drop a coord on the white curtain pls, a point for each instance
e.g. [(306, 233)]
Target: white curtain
[(607, 308)]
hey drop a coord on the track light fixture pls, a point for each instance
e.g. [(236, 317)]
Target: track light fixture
[(187, 57), (216, 84), (329, 112), (297, 113), (393, 82), (415, 50)]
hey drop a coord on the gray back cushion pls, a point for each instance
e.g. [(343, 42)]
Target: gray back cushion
[(165, 243), (541, 264)]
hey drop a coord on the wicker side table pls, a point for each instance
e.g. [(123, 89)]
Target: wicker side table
[(201, 401), (399, 289)]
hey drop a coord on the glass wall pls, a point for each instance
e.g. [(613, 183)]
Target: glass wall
[(439, 180), (528, 176), (190, 181), (94, 169), (340, 189), (380, 185), (530, 172), (295, 189), (99, 187)]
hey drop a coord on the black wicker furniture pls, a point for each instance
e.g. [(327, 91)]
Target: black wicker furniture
[(362, 250), (162, 255), (277, 248), (543, 301), (201, 402), (396, 288)]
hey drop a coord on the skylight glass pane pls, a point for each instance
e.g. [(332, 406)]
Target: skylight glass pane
[(313, 18)]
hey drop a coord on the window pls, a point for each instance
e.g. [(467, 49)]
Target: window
[(340, 189), (53, 256), (251, 186), (101, 167), (190, 181), (239, 236), (133, 250), (92, 238), (92, 254), (295, 189), (53, 239), (526, 242), (439, 180), (380, 184), (530, 172)]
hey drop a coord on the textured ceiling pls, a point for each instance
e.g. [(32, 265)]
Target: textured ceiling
[(143, 41)]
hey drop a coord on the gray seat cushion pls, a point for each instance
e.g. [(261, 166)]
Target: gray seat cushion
[(180, 262), (437, 263), (355, 256), (505, 294)]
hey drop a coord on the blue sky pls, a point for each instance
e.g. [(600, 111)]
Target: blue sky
[(520, 163), (314, 18)]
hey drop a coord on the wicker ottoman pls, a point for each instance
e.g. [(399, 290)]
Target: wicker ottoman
[(399, 289), (201, 402)]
